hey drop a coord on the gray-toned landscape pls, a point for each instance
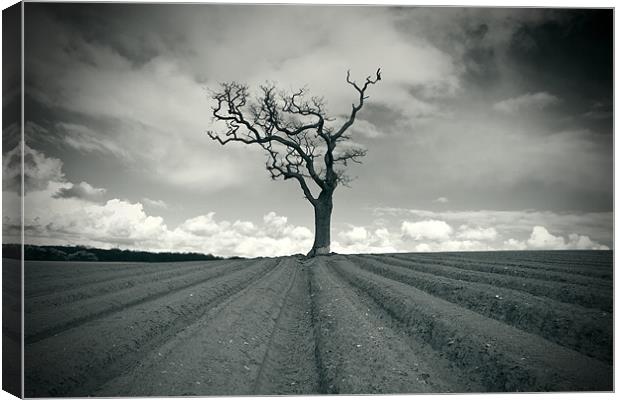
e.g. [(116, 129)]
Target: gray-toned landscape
[(342, 199)]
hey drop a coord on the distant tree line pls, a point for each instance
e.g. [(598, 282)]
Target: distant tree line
[(82, 253)]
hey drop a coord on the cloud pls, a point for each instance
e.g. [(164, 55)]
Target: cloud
[(366, 129), (154, 203), (86, 140), (39, 170), (11, 170), (428, 229), (83, 191), (61, 212), (274, 237), (527, 101), (116, 223), (541, 239), (358, 240), (516, 224), (478, 233), (203, 225), (276, 225), (123, 224), (72, 218), (453, 245), (356, 234), (514, 244), (442, 200)]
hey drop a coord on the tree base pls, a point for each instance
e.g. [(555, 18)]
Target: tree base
[(318, 251)]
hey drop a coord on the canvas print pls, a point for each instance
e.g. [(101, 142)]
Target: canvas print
[(234, 199)]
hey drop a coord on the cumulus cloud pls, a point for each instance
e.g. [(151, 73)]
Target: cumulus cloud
[(358, 240), (275, 225), (453, 245), (428, 229), (442, 200), (83, 190), (203, 225), (542, 239), (356, 234), (116, 223), (274, 237), (478, 233), (527, 101), (516, 224), (61, 212), (514, 244), (120, 223)]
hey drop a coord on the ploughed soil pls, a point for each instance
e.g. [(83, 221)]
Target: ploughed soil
[(390, 323)]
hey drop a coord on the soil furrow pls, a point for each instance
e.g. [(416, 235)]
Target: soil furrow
[(229, 342), (361, 352), (499, 357), (520, 272), (93, 275), (48, 271), (66, 365), (563, 292), (108, 287), (525, 264), (585, 258), (289, 366), (48, 322), (324, 387), (566, 325), (560, 261)]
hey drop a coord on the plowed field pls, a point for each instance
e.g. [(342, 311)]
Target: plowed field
[(401, 323)]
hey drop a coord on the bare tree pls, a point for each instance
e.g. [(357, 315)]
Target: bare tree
[(300, 139)]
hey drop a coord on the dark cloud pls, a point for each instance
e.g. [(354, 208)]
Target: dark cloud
[(117, 26), (38, 170), (571, 55), (479, 32), (481, 65), (82, 191)]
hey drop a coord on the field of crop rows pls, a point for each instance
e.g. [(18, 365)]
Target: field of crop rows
[(392, 323)]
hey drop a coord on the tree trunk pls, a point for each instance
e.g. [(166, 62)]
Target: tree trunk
[(322, 225)]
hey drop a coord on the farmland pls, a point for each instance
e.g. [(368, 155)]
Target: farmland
[(390, 323)]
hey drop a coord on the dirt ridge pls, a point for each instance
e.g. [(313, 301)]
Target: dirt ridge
[(561, 323), (336, 324), (501, 364), (50, 369), (48, 323), (521, 271), (560, 291)]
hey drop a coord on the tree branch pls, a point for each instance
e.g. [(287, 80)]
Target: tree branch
[(360, 104), (293, 129)]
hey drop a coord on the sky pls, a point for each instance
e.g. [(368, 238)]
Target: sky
[(491, 128)]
